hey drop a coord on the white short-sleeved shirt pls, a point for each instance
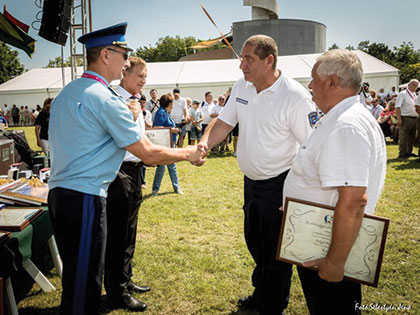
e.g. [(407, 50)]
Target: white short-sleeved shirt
[(417, 100), (126, 97), (272, 125), (405, 101), (207, 109), (364, 99), (346, 148), (177, 111), (216, 109)]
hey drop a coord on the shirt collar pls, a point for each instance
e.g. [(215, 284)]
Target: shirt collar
[(339, 108), (123, 92), (98, 75)]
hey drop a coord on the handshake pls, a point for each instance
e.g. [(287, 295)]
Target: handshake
[(196, 154)]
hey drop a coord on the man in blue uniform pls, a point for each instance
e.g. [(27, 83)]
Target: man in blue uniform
[(91, 128)]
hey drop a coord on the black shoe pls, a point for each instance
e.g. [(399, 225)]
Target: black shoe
[(249, 302), (403, 156), (138, 288), (413, 155), (131, 303)]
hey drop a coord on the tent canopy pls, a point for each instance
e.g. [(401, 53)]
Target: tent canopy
[(194, 78)]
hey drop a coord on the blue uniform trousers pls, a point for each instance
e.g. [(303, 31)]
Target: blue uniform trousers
[(79, 222)]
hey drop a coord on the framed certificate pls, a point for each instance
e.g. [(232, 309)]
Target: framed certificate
[(16, 219), (160, 135), (306, 235)]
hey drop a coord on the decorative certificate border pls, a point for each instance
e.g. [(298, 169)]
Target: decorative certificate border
[(306, 235)]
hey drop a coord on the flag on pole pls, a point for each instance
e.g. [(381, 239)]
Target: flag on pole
[(15, 33)]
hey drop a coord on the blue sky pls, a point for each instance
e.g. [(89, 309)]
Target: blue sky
[(348, 22)]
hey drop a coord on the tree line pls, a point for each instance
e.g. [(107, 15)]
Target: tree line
[(405, 57)]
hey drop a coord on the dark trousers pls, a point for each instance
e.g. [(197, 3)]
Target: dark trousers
[(271, 278), (407, 135), (203, 128), (15, 120), (123, 202), (79, 222), (323, 297)]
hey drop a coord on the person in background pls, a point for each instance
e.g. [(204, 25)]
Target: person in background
[(206, 108), (21, 115), (26, 116), (189, 124), (41, 126), (386, 118), (6, 112), (376, 109), (217, 108), (417, 108), (164, 119), (407, 119), (196, 117), (15, 115), (179, 115), (3, 122), (148, 122), (364, 95), (152, 105)]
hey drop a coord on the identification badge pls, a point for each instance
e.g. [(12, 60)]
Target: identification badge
[(242, 101)]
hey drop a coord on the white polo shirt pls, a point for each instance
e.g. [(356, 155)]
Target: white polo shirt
[(177, 111), (405, 101), (272, 124), (140, 121), (207, 109), (417, 100), (346, 148)]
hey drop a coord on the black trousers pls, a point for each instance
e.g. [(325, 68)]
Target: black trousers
[(323, 297), (79, 222), (123, 203), (271, 278)]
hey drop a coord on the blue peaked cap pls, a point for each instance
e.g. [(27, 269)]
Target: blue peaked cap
[(110, 36)]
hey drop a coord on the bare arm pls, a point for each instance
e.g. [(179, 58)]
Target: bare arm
[(417, 107), (37, 131), (348, 216), (398, 114), (215, 133), (214, 115), (152, 154)]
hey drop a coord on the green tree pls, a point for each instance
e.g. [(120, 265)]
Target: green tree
[(56, 63), (10, 65), (333, 46), (170, 49)]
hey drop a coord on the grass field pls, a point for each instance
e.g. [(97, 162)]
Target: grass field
[(191, 250)]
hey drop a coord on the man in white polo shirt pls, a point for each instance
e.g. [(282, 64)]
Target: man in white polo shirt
[(342, 164), (275, 115), (417, 107), (407, 119), (179, 114)]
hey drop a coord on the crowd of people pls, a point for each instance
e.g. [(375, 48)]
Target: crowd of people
[(21, 117), (397, 113), (285, 149)]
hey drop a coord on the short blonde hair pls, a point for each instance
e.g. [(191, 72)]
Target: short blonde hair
[(134, 62), (343, 63)]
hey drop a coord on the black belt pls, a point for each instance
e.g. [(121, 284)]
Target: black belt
[(409, 117), (132, 163)]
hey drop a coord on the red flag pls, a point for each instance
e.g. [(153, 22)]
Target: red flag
[(15, 21)]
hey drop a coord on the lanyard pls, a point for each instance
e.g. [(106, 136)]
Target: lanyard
[(413, 98), (94, 77)]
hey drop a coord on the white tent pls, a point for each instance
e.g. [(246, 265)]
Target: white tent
[(193, 78)]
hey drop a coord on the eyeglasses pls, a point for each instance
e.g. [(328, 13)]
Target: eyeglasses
[(221, 99), (125, 54)]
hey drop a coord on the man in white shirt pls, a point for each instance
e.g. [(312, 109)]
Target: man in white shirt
[(179, 114), (152, 105), (392, 92), (275, 115), (418, 122), (407, 119), (207, 107), (123, 203), (364, 95), (376, 109), (215, 111), (343, 165)]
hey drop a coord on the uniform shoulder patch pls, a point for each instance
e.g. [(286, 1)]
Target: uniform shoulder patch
[(313, 118)]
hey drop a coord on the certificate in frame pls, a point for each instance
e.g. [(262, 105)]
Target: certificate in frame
[(160, 135), (16, 219), (306, 235)]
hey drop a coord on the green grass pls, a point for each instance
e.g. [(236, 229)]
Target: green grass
[(191, 250)]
